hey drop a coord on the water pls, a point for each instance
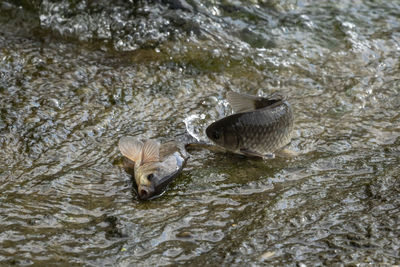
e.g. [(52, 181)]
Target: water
[(76, 76)]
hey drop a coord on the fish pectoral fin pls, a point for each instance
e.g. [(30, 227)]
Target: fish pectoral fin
[(250, 153), (286, 153), (131, 148), (210, 147), (150, 151), (269, 156), (241, 102)]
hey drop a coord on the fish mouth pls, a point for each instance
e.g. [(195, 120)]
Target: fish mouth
[(209, 131), (155, 190), (145, 192)]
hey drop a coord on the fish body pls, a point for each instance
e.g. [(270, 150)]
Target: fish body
[(260, 126), (154, 165)]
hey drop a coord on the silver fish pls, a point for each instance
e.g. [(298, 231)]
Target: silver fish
[(260, 127), (154, 165)]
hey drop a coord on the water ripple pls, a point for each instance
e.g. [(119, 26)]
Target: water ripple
[(75, 77)]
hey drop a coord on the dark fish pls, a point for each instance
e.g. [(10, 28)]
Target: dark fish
[(260, 127), (155, 165)]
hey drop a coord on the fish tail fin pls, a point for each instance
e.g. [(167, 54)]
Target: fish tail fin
[(241, 102), (244, 103)]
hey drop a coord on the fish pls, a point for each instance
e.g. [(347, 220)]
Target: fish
[(154, 165), (260, 126)]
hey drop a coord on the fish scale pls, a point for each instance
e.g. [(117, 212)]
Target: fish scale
[(262, 131)]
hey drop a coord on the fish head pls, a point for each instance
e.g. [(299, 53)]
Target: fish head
[(153, 178), (146, 177), (222, 134)]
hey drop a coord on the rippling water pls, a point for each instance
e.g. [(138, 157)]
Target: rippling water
[(75, 76)]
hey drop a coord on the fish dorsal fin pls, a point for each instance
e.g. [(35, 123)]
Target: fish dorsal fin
[(245, 103), (151, 151), (131, 148), (241, 102)]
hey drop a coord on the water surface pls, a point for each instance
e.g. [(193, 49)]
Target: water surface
[(75, 76)]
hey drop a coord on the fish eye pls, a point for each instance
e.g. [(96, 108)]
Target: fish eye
[(150, 177), (215, 135)]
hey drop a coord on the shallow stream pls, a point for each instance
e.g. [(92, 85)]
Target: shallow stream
[(75, 76)]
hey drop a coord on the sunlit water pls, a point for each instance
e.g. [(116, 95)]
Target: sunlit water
[(75, 77)]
